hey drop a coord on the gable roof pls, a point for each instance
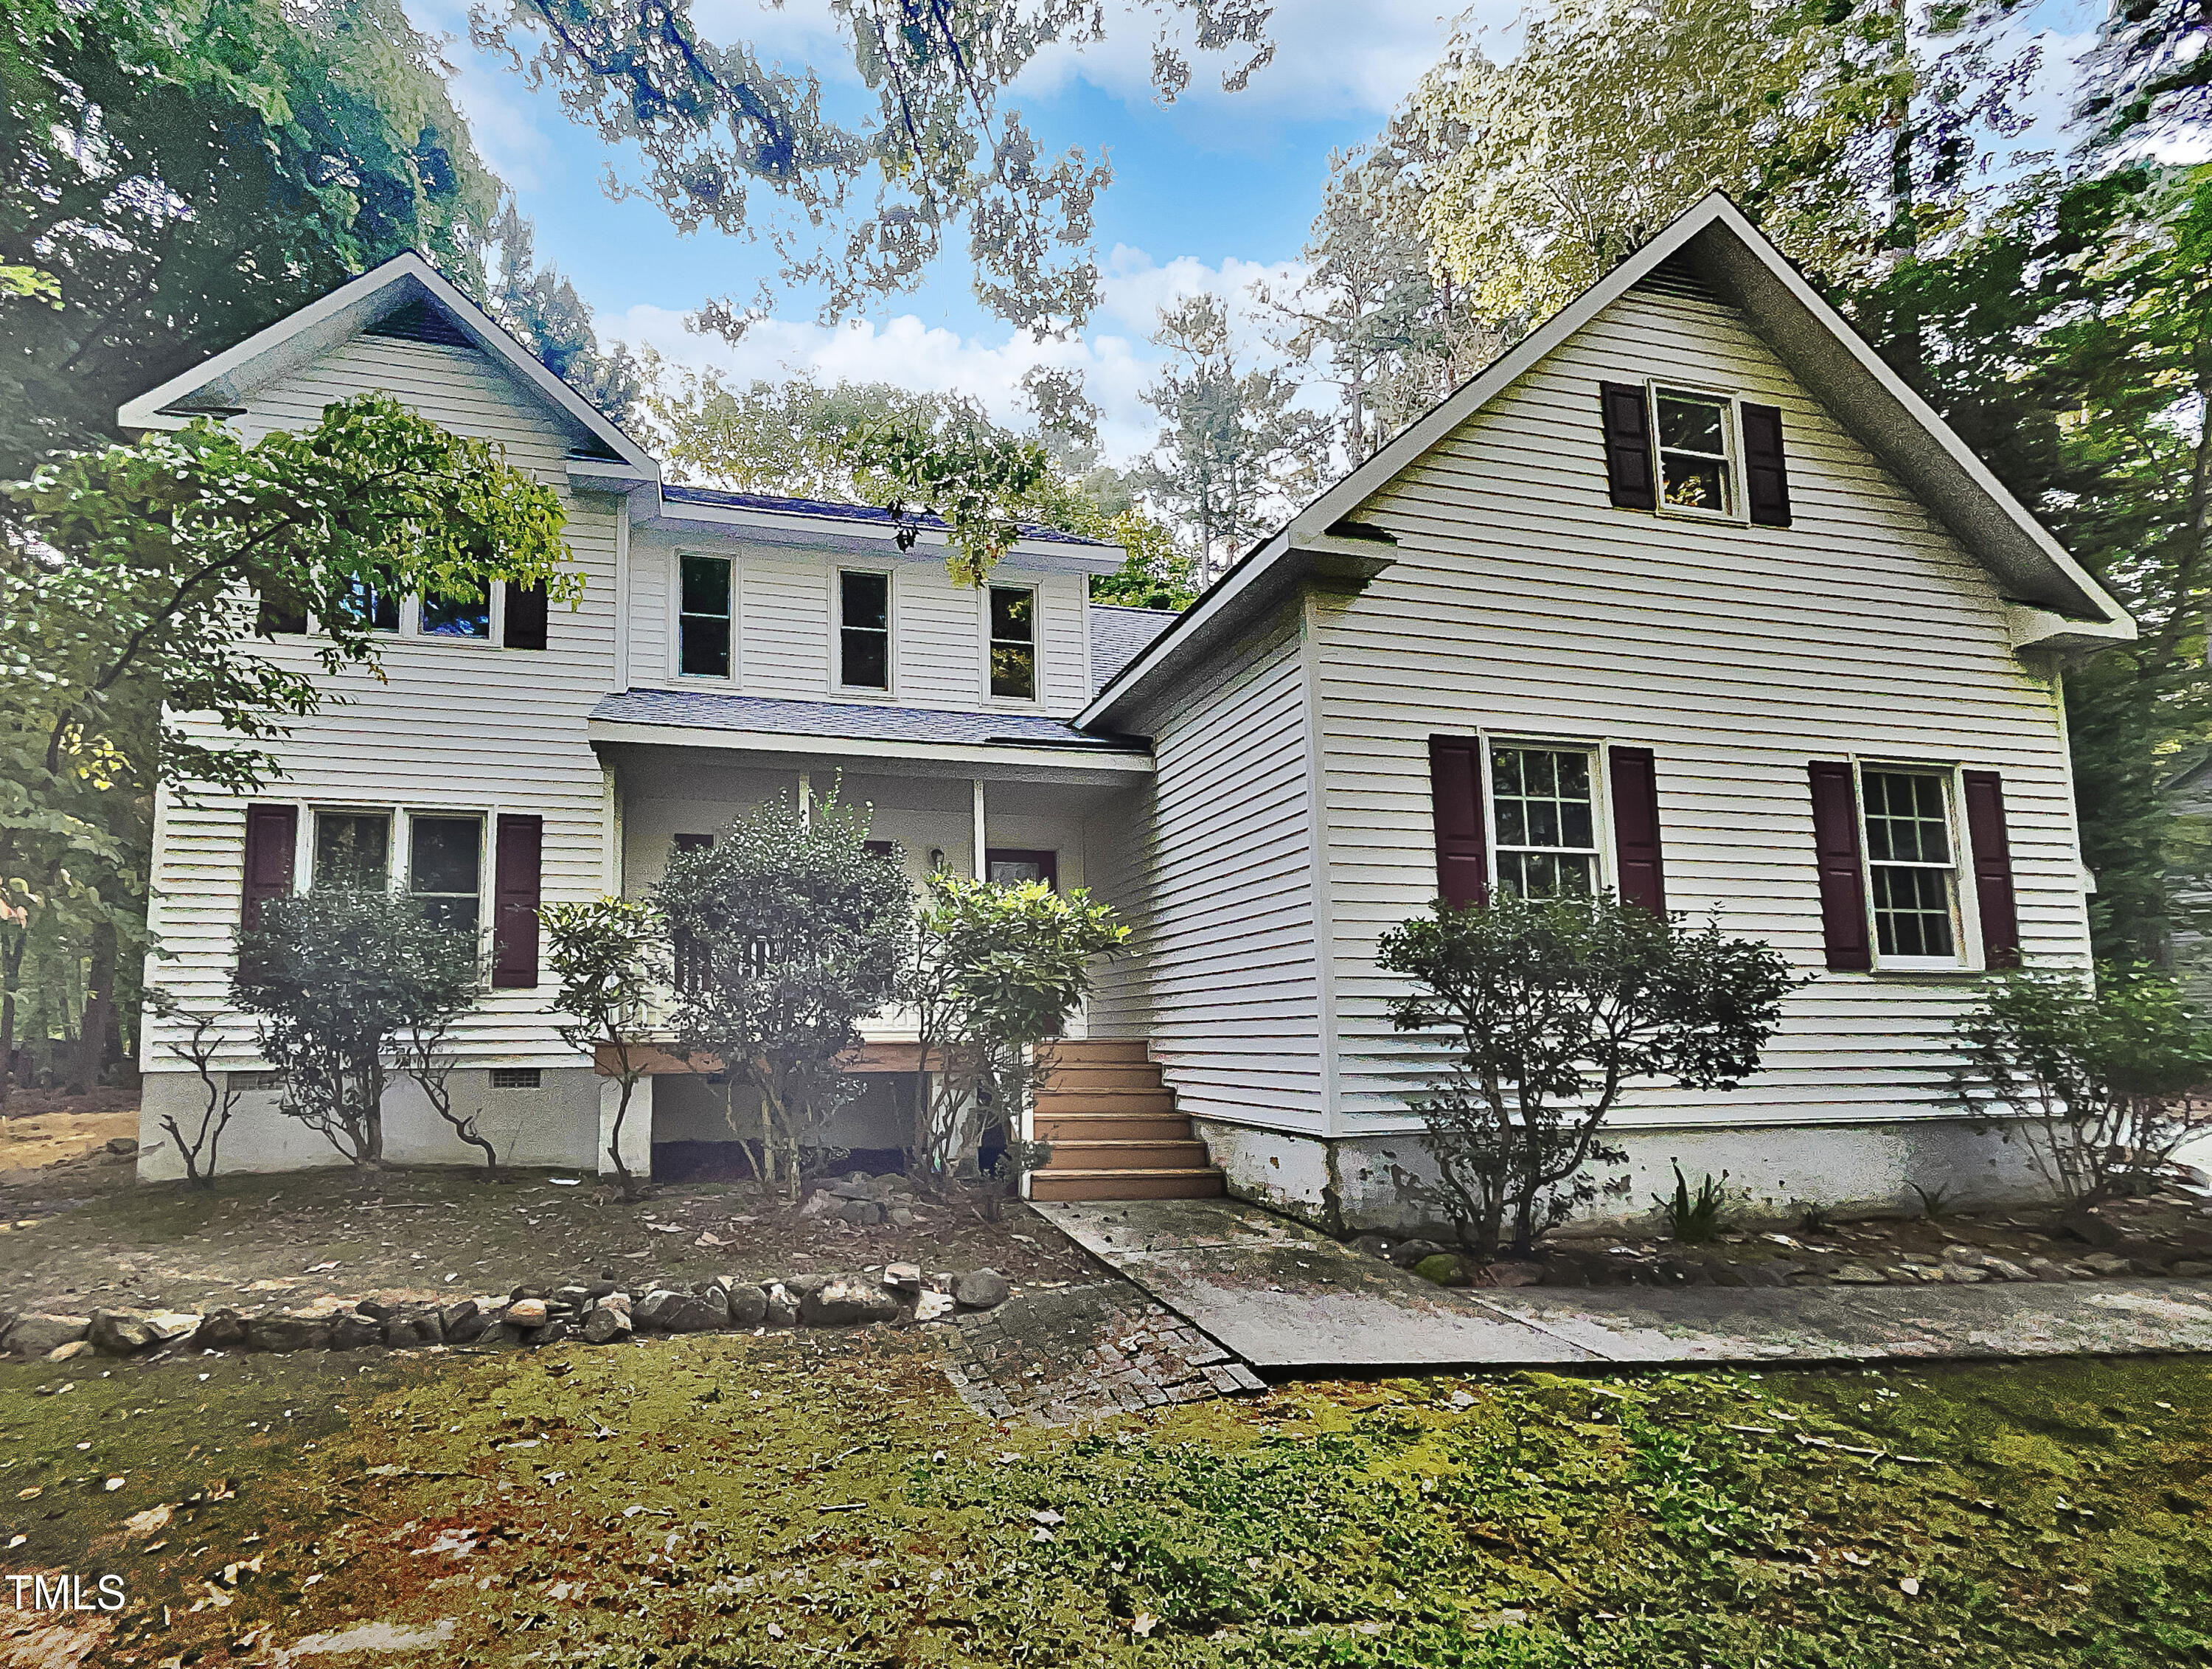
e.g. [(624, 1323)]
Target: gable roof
[(1713, 244), (405, 297)]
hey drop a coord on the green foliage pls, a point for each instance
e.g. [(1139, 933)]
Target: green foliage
[(977, 482), (610, 956), (1548, 1008), (1693, 1219), (995, 973), (799, 932), (864, 210), (341, 979), (188, 173), (2093, 1074)]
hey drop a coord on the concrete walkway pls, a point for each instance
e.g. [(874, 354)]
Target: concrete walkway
[(1290, 1301)]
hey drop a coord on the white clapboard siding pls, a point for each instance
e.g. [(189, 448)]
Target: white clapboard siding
[(1521, 602), (1223, 904), (454, 726), (1120, 1000), (787, 605)]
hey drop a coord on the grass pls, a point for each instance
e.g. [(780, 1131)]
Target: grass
[(800, 1499)]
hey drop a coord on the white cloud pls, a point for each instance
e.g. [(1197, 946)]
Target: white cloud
[(1117, 363)]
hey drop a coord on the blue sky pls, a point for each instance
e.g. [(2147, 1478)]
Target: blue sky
[(1213, 191)]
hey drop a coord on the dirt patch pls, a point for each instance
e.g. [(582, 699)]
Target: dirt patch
[(97, 1236), (31, 1141)]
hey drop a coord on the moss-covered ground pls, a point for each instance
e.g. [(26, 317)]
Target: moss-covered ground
[(802, 1499)]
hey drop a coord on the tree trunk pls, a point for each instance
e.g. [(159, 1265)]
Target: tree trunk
[(10, 965), (99, 1020)]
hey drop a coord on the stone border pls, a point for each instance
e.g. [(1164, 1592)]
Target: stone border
[(602, 1311)]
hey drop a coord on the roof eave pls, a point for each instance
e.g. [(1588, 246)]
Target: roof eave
[(800, 530)]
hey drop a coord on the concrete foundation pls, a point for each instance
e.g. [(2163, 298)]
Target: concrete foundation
[(1387, 1182)]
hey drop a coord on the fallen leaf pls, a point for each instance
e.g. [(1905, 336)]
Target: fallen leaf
[(707, 1238), (1910, 1584), (1046, 1515), (1143, 1623), (113, 1485), (31, 1494), (146, 1523)]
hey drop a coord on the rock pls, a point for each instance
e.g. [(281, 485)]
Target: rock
[(800, 1285), (123, 1333), (525, 1313), (221, 1330), (847, 1302), (1509, 1272), (459, 1321), (979, 1289), (680, 1311), (2191, 1266), (904, 1277), (901, 1217), (1374, 1246), (820, 1204), (37, 1334), (552, 1333), (1444, 1271), (748, 1306), (782, 1306), (574, 1297), (1965, 1275), (2105, 1262), (607, 1324), (1857, 1275), (865, 1213), (351, 1332), (283, 1331), (2081, 1222), (121, 1146), (373, 1308), (412, 1327), (2005, 1270), (1765, 1272), (71, 1352), (853, 1188), (1683, 1271), (933, 1306), (527, 1292), (1407, 1253)]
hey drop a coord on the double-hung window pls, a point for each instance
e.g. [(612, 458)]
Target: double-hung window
[(1911, 864), (1696, 451), (445, 869), (1544, 814), (1014, 641), (703, 617), (374, 606), (863, 630), (467, 616)]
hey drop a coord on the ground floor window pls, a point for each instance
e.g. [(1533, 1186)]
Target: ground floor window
[(1546, 816), (445, 869), (1911, 873), (1009, 867), (353, 848)]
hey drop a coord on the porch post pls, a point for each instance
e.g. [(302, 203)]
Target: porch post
[(982, 864)]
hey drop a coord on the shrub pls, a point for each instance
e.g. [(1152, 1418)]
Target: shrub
[(2093, 1072), (1693, 1219), (609, 955), (996, 970), (797, 934), (1549, 1009), (339, 976)]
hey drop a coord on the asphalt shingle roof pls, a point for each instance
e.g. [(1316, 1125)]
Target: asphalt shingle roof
[(867, 513), (708, 709), (1119, 634)]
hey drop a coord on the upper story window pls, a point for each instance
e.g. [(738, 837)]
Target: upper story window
[(1696, 451), (1546, 820), (863, 630), (445, 867), (1014, 641), (1912, 872), (353, 848), (469, 618), (703, 618), (376, 606)]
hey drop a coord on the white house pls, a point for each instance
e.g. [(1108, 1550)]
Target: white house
[(1686, 595)]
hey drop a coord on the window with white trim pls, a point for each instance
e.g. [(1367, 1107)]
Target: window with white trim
[(1544, 821), (353, 848), (1696, 436), (1912, 876), (703, 616), (445, 869), (1014, 641), (864, 629), (465, 617)]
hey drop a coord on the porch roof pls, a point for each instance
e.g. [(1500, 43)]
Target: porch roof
[(719, 720)]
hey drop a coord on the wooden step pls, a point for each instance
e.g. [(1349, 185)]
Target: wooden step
[(1104, 1100), (1116, 1075), (1184, 1184), (1123, 1155), (1110, 1127), (1102, 1052)]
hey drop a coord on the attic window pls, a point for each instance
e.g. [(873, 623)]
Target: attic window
[(1695, 469), (419, 321)]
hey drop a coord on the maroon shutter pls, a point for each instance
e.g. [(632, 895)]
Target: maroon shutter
[(272, 837), (1634, 783), (526, 616), (519, 855), (1455, 786), (1628, 474), (1992, 854), (1765, 471), (1836, 847)]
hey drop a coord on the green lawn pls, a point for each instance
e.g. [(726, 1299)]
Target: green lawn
[(803, 1499)]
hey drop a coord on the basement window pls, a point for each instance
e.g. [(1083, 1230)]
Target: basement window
[(516, 1077)]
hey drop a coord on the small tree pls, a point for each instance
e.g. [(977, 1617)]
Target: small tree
[(1550, 1008), (336, 975), (419, 1050), (2096, 1073), (609, 955), (199, 1047), (996, 971), (798, 933)]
